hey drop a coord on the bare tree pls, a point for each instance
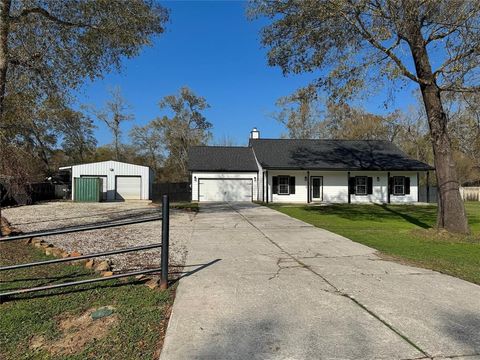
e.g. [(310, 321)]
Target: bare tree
[(300, 113), (361, 43), (113, 114), (149, 142), (187, 127)]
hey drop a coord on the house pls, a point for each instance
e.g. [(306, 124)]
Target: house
[(305, 171), (120, 181)]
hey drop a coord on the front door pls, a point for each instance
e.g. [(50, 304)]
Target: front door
[(317, 188)]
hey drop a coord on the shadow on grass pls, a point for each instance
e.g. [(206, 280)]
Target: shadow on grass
[(46, 279), (417, 215), (411, 219), (116, 283)]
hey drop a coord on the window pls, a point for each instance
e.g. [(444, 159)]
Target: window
[(398, 185), (284, 185), (360, 185)]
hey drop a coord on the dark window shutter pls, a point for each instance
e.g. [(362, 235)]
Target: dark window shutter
[(351, 185), (407, 185), (275, 185), (390, 185), (292, 184), (370, 185)]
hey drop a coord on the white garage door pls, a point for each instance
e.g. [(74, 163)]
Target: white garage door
[(128, 187), (225, 190)]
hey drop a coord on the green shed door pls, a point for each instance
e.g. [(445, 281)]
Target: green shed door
[(88, 189)]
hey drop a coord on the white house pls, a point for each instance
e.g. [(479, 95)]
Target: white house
[(305, 171), (121, 181)]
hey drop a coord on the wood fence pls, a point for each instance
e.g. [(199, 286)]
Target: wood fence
[(177, 192), (470, 193), (467, 194)]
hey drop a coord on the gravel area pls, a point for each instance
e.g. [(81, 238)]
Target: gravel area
[(56, 215)]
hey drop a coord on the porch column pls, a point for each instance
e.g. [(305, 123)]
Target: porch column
[(266, 185), (428, 186), (388, 187), (418, 187), (308, 186), (348, 187)]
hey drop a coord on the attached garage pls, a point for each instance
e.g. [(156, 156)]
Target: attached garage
[(225, 189), (121, 181), (223, 173)]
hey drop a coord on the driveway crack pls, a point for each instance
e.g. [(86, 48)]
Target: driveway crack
[(334, 290)]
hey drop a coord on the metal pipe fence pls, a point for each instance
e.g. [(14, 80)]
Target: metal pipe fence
[(164, 245)]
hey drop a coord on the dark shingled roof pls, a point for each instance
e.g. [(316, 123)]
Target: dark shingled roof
[(221, 158), (333, 155)]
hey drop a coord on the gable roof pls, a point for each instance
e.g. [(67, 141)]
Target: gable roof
[(101, 162), (221, 158), (333, 155)]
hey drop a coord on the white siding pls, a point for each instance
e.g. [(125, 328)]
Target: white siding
[(380, 187), (335, 187), (196, 175), (300, 195), (260, 180), (413, 197), (111, 169)]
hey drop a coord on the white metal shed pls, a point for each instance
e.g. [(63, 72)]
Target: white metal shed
[(121, 181)]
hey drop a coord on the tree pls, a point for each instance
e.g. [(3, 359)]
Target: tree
[(362, 43), (185, 128), (149, 142), (300, 113), (51, 46), (113, 114), (78, 141), (48, 48), (346, 122), (14, 175), (226, 140)]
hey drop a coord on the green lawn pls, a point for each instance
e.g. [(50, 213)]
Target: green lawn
[(140, 312), (402, 231)]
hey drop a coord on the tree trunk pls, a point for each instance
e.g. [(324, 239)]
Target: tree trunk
[(4, 30), (451, 210)]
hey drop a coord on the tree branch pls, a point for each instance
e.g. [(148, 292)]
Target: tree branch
[(460, 89), (46, 14), (456, 58), (388, 51)]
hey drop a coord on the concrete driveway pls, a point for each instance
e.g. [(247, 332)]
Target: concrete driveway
[(283, 289)]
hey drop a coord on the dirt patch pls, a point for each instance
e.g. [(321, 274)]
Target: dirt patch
[(441, 235), (76, 332)]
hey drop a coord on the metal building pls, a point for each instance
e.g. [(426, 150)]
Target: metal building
[(121, 181)]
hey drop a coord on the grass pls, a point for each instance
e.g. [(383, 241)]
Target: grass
[(404, 232), (189, 206), (141, 312)]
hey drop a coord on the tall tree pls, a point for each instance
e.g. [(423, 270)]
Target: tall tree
[(51, 46), (300, 113), (78, 140), (48, 48), (113, 114), (186, 127), (360, 43), (149, 142), (346, 122)]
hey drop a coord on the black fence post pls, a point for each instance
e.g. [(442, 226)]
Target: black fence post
[(165, 241)]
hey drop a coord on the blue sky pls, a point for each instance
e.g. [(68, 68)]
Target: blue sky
[(215, 50)]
